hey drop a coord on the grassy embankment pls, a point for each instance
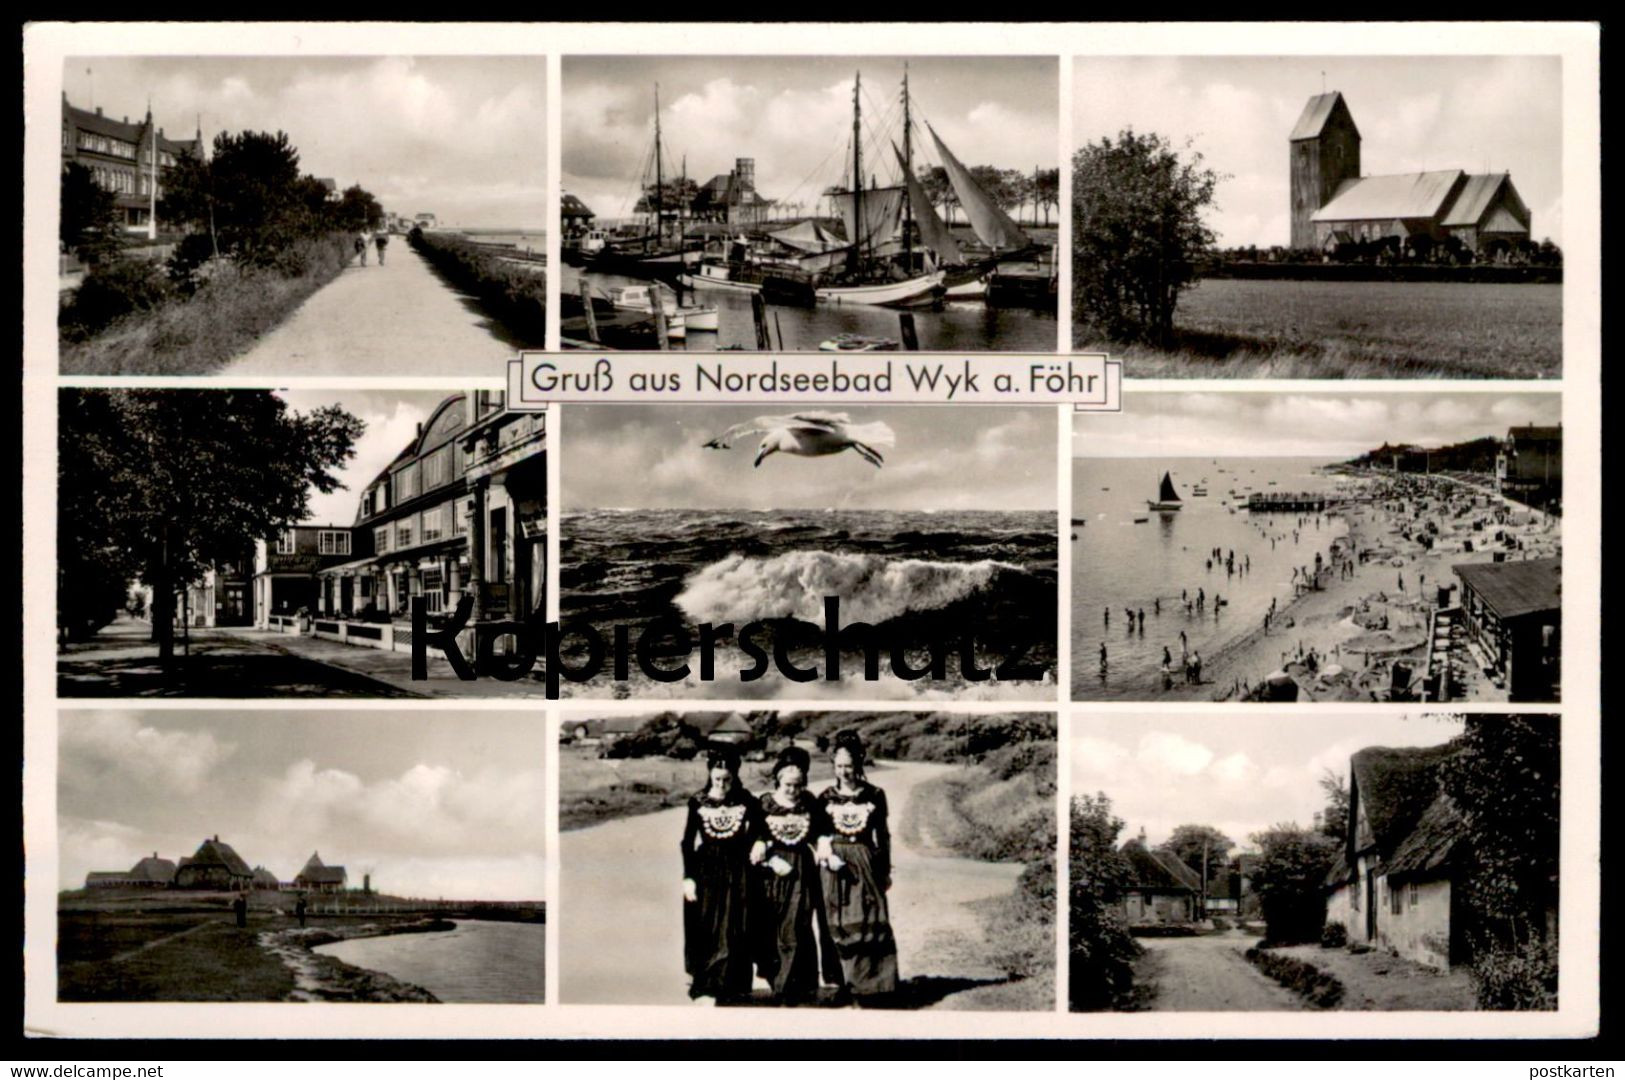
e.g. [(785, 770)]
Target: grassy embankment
[(1359, 329), (515, 294), (135, 322), (145, 945)]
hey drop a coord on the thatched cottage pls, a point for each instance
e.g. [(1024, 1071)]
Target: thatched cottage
[(1391, 884), (215, 865), (149, 873), (317, 876), (1161, 889)]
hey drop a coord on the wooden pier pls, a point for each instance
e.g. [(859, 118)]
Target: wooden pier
[(1288, 501)]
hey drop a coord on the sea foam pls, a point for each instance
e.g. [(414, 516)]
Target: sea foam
[(872, 588)]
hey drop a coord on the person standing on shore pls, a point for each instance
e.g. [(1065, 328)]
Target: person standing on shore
[(239, 908), (299, 909)]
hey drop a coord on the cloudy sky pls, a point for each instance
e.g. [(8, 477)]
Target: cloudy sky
[(794, 116), (391, 416), (1333, 426), (1479, 114), (946, 458), (462, 137), (432, 805), (1239, 775)]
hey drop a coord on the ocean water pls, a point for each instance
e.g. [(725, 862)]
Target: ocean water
[(478, 962), (957, 327), (1119, 564), (915, 576)]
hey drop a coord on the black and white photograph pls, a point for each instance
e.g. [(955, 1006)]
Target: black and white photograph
[(710, 536), (1320, 217), (794, 203), (258, 543), (310, 856), (309, 215), (856, 860), (1295, 547), (1350, 863)]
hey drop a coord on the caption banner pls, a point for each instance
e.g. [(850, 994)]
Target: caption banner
[(1089, 381)]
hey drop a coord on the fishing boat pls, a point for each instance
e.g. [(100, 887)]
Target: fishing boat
[(1199, 492), (1167, 498), (661, 250), (858, 343), (641, 298)]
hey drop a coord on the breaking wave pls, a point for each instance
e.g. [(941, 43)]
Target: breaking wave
[(872, 588)]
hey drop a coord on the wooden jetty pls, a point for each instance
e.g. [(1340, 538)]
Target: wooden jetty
[(1289, 501)]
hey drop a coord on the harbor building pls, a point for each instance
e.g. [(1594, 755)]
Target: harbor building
[(731, 198), (120, 157), (1332, 204), (1530, 466), (1514, 618)]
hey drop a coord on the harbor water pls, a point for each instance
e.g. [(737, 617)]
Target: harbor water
[(957, 326), (478, 962), (1125, 556)]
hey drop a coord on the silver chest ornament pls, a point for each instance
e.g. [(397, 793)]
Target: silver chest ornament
[(789, 828), (851, 818), (722, 822)]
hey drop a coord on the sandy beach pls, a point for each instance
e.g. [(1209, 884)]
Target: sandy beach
[(1371, 606)]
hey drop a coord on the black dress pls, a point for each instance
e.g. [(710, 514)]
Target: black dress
[(855, 895), (716, 924), (789, 905)]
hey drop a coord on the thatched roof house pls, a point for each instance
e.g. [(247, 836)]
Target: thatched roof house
[(1161, 889), (215, 865), (1391, 882), (150, 872), (320, 877)]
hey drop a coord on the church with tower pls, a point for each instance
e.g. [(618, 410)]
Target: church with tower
[(1333, 204)]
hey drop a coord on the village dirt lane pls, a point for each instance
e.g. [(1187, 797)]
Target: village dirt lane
[(397, 319), (619, 912), (1209, 974)]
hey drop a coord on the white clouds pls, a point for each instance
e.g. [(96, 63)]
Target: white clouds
[(1479, 114), (794, 118), (1330, 426), (464, 137), (1164, 752), (93, 745)]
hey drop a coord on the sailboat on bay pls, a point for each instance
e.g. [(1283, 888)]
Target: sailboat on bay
[(1167, 499)]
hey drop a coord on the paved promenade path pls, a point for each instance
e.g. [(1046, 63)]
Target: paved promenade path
[(397, 319)]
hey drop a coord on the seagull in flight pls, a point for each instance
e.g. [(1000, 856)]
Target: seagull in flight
[(810, 434)]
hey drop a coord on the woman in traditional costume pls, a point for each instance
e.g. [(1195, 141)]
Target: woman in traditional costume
[(788, 901), (724, 824), (856, 875)]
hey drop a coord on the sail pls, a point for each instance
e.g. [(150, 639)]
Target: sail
[(1167, 494), (882, 214), (993, 226), (932, 231), (808, 236)]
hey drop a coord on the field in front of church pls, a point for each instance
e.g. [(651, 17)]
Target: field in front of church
[(1232, 328)]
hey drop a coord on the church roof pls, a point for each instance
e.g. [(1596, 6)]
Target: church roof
[(1406, 195), (1475, 199), (1316, 114)]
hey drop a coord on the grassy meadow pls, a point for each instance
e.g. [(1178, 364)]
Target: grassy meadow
[(1357, 329)]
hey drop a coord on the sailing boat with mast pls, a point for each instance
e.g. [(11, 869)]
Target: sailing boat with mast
[(661, 251), (1167, 498), (873, 220)]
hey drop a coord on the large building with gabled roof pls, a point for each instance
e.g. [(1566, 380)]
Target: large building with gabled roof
[(1332, 204), (317, 876), (215, 865)]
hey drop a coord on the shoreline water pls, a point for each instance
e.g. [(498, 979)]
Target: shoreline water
[(1372, 606), (318, 977)]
